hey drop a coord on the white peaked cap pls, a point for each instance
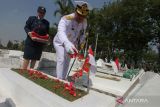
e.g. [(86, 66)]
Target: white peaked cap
[(80, 3)]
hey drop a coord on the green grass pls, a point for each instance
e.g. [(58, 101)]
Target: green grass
[(50, 85)]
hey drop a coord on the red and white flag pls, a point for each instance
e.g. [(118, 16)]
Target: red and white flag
[(90, 63), (117, 63)]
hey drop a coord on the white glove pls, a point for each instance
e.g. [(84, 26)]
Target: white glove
[(70, 48)]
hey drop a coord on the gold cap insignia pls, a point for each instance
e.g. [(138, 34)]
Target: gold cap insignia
[(82, 10)]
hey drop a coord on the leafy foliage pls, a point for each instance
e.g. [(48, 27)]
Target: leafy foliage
[(65, 7), (125, 24)]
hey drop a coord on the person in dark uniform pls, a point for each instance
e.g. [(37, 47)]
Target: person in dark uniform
[(33, 49)]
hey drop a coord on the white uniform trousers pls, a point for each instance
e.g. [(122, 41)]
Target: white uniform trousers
[(62, 61)]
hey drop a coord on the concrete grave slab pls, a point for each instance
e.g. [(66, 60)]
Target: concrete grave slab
[(25, 93), (146, 93), (115, 88)]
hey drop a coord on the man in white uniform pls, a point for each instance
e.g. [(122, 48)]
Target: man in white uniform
[(70, 36)]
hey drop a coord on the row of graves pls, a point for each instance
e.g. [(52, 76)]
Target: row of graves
[(84, 74), (108, 78)]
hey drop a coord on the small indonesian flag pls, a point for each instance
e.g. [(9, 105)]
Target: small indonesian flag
[(86, 65), (72, 55), (90, 63), (117, 63), (80, 55)]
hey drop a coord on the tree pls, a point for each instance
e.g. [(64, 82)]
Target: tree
[(21, 45), (9, 45), (154, 13), (1, 46), (15, 45), (127, 25), (65, 7)]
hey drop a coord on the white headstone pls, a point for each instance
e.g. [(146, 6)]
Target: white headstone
[(114, 66), (100, 63)]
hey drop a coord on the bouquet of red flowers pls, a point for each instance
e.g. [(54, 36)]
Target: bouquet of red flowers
[(39, 38)]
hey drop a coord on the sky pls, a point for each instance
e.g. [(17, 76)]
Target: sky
[(14, 13)]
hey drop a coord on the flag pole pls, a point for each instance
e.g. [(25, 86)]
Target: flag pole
[(96, 45), (88, 75), (85, 52), (71, 68), (88, 88)]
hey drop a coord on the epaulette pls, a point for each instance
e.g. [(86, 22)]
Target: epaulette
[(69, 17)]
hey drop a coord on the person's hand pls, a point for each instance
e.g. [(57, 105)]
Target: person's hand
[(48, 35), (70, 48), (39, 40), (30, 35), (35, 37)]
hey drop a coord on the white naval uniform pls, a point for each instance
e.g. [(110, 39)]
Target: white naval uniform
[(69, 30)]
